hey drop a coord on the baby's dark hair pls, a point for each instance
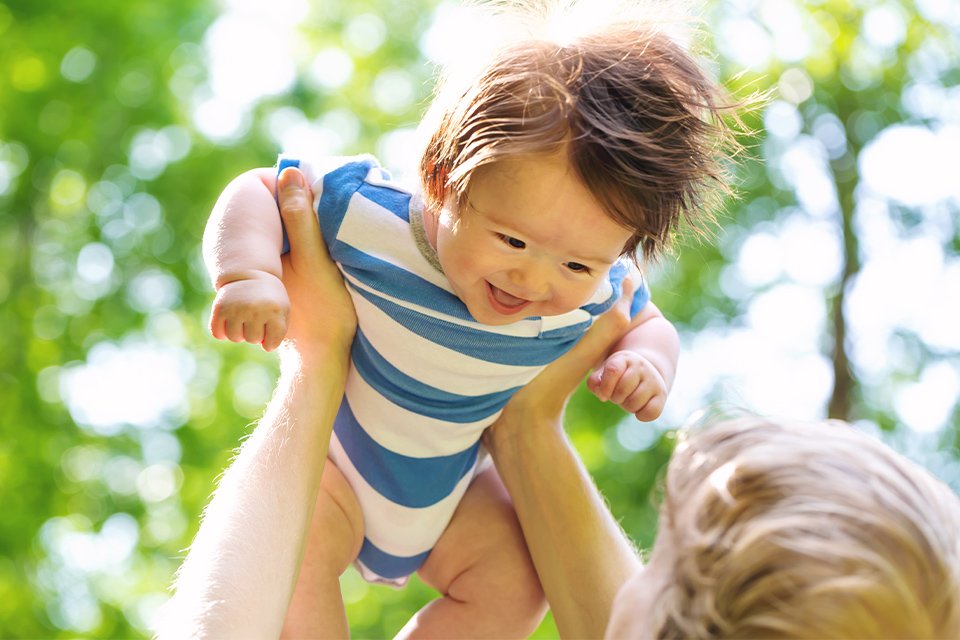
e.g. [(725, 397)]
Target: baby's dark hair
[(644, 126)]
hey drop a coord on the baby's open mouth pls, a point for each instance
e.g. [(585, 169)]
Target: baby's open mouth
[(504, 302)]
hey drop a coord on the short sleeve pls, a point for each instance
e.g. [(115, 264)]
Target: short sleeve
[(333, 180), (609, 293), (641, 291), (621, 272)]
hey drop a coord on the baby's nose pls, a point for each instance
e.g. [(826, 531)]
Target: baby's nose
[(531, 281)]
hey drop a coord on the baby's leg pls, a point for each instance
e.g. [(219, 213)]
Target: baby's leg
[(483, 569), (336, 534)]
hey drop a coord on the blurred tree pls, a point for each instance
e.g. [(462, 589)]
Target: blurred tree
[(121, 124)]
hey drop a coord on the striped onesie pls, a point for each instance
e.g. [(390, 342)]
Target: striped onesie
[(425, 379)]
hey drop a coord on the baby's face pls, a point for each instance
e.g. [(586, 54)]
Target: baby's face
[(530, 241)]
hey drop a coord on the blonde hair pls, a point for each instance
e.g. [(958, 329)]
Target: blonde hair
[(641, 121), (796, 530)]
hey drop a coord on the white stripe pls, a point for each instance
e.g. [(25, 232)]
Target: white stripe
[(405, 432), (519, 329), (602, 293), (376, 178), (385, 236), (398, 530), (314, 169), (433, 364), (549, 323)]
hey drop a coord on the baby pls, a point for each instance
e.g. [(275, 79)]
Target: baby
[(542, 180)]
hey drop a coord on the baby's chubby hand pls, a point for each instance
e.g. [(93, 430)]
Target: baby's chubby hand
[(252, 309), (631, 381)]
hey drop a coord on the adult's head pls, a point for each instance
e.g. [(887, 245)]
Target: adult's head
[(785, 529)]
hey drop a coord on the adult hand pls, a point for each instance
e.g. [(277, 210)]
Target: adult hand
[(580, 553), (321, 311), (543, 399)]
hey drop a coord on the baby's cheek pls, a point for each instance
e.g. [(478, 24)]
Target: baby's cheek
[(582, 295)]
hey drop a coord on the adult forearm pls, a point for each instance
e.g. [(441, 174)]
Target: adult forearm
[(242, 567), (581, 554)]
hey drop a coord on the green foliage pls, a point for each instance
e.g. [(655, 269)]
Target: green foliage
[(106, 179)]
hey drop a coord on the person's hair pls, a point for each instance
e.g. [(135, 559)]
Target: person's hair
[(642, 123), (795, 530)]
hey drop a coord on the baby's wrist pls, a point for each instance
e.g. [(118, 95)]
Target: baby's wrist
[(246, 275)]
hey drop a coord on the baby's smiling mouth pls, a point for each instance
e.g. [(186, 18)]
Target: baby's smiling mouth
[(504, 302)]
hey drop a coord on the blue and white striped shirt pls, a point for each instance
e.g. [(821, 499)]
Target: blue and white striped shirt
[(425, 377)]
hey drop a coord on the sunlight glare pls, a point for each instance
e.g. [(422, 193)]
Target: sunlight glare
[(913, 165), (790, 37), (132, 383), (884, 26), (927, 404), (746, 43), (804, 166)]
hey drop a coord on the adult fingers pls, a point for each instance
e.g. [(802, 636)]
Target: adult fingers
[(296, 208), (563, 376)]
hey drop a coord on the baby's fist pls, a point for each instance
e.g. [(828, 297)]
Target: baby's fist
[(631, 381), (252, 310)]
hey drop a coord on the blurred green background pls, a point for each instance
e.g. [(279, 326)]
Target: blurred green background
[(833, 287)]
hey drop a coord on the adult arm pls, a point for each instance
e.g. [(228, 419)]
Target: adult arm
[(581, 554), (239, 575)]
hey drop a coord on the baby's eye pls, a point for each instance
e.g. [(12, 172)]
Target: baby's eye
[(513, 242), (576, 267)]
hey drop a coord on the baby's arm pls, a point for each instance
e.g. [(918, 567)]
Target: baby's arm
[(639, 372), (241, 248)]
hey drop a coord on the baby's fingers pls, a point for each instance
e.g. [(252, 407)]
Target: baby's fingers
[(603, 382), (274, 333), (629, 383), (253, 332), (651, 409), (233, 329), (218, 327), (637, 398)]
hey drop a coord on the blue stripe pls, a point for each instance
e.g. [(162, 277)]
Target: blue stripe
[(617, 274), (283, 163), (410, 482), (483, 345), (389, 566), (640, 300), (417, 397), (395, 201), (339, 186), (398, 282)]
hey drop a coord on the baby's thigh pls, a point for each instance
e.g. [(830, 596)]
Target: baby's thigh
[(482, 553), (336, 531)]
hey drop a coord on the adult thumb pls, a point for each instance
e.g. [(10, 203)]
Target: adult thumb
[(295, 201)]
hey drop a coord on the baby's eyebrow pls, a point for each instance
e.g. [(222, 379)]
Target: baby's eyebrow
[(597, 259), (594, 259)]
